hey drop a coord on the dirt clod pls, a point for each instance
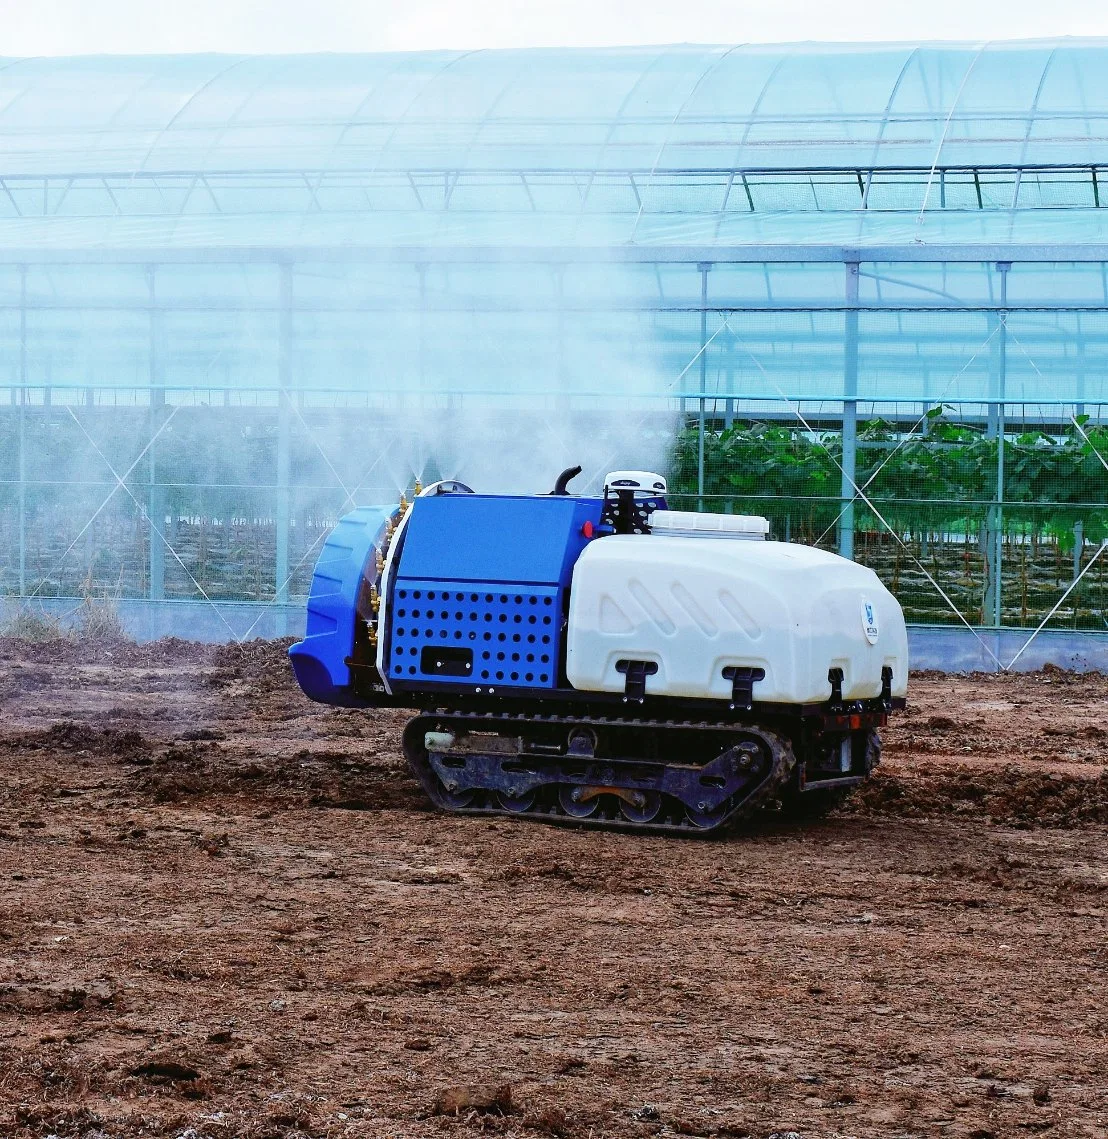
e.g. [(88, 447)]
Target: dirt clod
[(482, 1098), (165, 1070)]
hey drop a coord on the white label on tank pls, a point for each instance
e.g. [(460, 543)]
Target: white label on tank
[(869, 621)]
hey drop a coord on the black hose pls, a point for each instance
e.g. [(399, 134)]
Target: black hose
[(562, 485)]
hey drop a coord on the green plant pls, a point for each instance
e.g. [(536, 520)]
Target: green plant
[(941, 480)]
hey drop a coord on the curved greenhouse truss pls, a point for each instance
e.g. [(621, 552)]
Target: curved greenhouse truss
[(239, 294)]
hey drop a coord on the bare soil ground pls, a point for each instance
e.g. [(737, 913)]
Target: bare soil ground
[(226, 912)]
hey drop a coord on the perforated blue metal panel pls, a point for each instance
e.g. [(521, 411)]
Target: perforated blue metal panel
[(509, 632)]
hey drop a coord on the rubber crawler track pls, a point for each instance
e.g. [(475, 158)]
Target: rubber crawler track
[(737, 809)]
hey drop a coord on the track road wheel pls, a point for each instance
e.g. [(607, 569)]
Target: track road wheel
[(457, 800), (645, 809), (571, 800), (516, 804), (706, 819)]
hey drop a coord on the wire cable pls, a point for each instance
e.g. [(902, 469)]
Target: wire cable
[(154, 529), (795, 408), (111, 493), (1058, 604)]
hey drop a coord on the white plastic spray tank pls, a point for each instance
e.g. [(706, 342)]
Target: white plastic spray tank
[(698, 608)]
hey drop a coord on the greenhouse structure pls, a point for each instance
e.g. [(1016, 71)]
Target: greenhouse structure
[(862, 290)]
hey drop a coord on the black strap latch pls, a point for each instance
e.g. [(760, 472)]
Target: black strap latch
[(742, 685), (835, 675), (636, 672), (887, 687)]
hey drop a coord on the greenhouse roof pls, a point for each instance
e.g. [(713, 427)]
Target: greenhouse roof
[(780, 144)]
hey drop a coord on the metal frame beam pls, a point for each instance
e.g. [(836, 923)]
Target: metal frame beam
[(501, 305), (284, 433), (850, 416), (792, 253), (156, 491)]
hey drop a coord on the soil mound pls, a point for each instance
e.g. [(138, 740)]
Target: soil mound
[(1010, 795)]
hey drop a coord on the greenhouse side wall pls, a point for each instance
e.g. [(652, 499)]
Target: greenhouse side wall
[(227, 317)]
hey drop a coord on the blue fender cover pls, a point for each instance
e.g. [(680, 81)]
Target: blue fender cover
[(319, 660)]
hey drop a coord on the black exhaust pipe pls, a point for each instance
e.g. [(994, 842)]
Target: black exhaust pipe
[(564, 479)]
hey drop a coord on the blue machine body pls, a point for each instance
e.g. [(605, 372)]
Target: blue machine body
[(477, 594), (496, 538)]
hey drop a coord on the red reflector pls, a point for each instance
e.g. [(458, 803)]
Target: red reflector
[(587, 530)]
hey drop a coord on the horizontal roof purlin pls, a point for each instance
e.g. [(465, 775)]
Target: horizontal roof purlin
[(1046, 254), (646, 108), (1066, 235)]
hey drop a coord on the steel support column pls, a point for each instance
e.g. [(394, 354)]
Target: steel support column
[(1079, 406), (850, 413), (155, 492), (283, 511), (561, 386), (22, 414), (995, 530), (703, 268), (421, 334)]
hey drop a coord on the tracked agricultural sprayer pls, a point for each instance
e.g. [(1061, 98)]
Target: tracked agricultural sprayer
[(604, 659)]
